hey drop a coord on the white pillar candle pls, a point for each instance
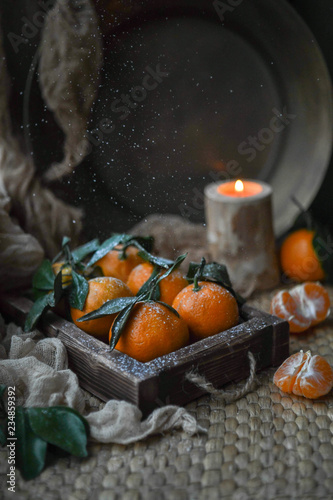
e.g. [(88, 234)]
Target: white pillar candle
[(240, 233)]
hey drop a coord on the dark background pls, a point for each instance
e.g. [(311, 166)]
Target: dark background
[(319, 17), (317, 14)]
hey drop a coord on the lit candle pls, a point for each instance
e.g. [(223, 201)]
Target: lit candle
[(239, 189), (240, 232)]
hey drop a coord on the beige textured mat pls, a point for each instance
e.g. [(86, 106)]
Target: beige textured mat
[(267, 445)]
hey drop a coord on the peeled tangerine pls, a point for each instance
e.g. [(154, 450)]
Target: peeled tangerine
[(305, 375), (303, 306)]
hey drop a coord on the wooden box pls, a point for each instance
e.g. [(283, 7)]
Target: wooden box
[(221, 358)]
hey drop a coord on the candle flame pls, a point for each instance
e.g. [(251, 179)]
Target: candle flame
[(239, 186)]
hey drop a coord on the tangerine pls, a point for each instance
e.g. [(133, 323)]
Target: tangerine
[(298, 258), (66, 273), (208, 311), (305, 375), (303, 306), (169, 286), (152, 330), (100, 291), (62, 308), (113, 264)]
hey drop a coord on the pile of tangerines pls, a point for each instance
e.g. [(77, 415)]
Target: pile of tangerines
[(141, 304), (145, 307), (305, 258)]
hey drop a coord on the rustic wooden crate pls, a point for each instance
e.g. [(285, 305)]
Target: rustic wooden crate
[(221, 358)]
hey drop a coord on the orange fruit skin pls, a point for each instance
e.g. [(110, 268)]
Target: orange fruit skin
[(298, 259), (208, 311), (169, 286), (100, 290), (303, 306), (112, 265), (152, 330), (305, 375)]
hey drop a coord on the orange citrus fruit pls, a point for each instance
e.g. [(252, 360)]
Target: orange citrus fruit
[(62, 308), (298, 258), (152, 330), (303, 306), (112, 264), (66, 272), (100, 291), (169, 286), (305, 375), (210, 310)]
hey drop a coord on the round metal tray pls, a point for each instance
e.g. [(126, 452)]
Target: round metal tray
[(196, 91)]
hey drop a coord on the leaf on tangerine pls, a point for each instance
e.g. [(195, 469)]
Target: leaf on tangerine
[(119, 324), (107, 246), (151, 283), (110, 307), (83, 251), (79, 291)]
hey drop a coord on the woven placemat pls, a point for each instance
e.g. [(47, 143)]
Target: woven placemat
[(267, 445)]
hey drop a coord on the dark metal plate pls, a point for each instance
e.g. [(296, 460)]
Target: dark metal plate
[(230, 74)]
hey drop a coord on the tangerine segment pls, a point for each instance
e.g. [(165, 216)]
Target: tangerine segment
[(112, 264), (152, 330), (169, 286), (100, 291), (299, 260), (305, 375), (208, 311), (286, 374), (315, 378), (314, 301), (285, 306)]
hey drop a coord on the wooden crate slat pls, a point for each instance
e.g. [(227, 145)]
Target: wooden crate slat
[(221, 358)]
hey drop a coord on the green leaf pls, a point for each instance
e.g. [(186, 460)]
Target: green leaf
[(119, 324), (60, 426), (107, 246), (81, 252), (44, 277), (192, 270), (79, 291), (37, 309), (150, 290), (153, 259), (147, 286), (2, 390), (174, 266), (215, 272), (3, 433), (110, 307), (58, 290), (3, 413), (145, 242), (37, 294), (30, 449)]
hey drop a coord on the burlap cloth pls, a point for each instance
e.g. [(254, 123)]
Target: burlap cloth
[(266, 445)]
